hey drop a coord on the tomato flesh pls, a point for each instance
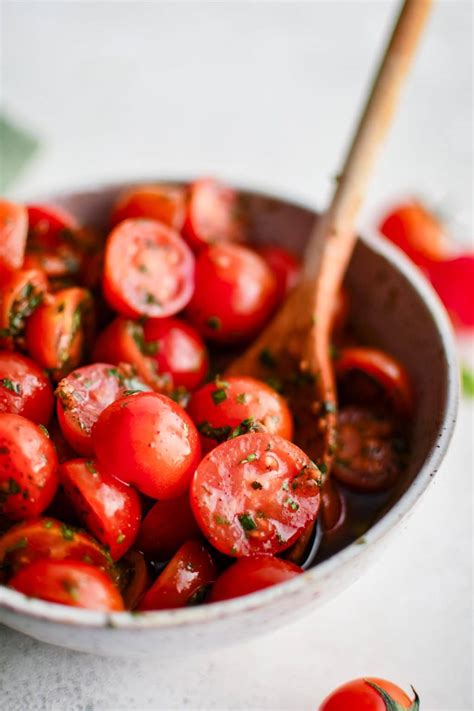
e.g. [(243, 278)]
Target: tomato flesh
[(13, 233), (248, 575), (20, 295), (164, 203), (167, 525), (24, 388), (213, 214), (358, 695), (255, 494), (53, 241)]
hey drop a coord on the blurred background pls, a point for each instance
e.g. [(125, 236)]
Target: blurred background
[(262, 94)]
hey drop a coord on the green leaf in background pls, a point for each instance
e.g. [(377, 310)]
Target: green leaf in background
[(17, 147), (467, 381)]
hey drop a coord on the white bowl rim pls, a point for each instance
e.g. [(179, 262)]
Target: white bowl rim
[(18, 603)]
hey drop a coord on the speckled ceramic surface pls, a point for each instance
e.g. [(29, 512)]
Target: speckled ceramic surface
[(394, 308)]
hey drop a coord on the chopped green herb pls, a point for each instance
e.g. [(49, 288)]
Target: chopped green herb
[(67, 532), (20, 543), (249, 458), (218, 433), (219, 396), (131, 392), (142, 268), (267, 358), (48, 524), (285, 486), (10, 385), (71, 589), (44, 430), (247, 522), (292, 504), (467, 379), (120, 538), (214, 322), (256, 485), (246, 426), (61, 307), (146, 347), (242, 398), (327, 407), (323, 468), (221, 521), (219, 383), (90, 466), (151, 299)]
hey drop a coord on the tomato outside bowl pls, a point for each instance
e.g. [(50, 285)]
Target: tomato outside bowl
[(389, 298)]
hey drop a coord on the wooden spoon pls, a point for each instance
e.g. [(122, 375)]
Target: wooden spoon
[(295, 346)]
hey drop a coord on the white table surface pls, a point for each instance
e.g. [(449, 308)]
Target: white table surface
[(261, 93)]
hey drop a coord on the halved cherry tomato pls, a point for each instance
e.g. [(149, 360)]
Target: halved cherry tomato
[(235, 293), (58, 331), (167, 525), (28, 464), (133, 578), (368, 694), (213, 214), (24, 388), (85, 393), (248, 575), (453, 279), (48, 538), (184, 581), (366, 455), (381, 367), (68, 582), (164, 203), (106, 507), (417, 232), (255, 494), (237, 405), (20, 295), (149, 441), (284, 265), (148, 269), (13, 232)]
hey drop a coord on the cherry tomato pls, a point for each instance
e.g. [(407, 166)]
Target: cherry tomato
[(54, 242), (248, 575), (366, 455), (149, 441), (24, 388), (284, 265), (148, 270), (167, 525), (368, 695), (453, 280), (85, 393), (133, 578), (13, 232), (213, 214), (255, 494), (106, 507), (417, 232), (64, 450), (28, 464), (382, 368), (238, 405), (57, 332), (235, 293), (48, 538), (164, 203), (184, 581), (333, 507), (68, 582), (20, 295)]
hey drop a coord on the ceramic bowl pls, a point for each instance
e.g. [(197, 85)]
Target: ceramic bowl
[(394, 308)]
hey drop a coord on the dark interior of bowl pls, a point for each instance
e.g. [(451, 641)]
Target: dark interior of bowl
[(386, 311)]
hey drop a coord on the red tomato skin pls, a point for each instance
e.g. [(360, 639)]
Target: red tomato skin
[(16, 306), (13, 233), (28, 464), (164, 203), (166, 526), (263, 404), (212, 214), (245, 506), (31, 395), (68, 582), (84, 394), (235, 293), (134, 579), (189, 570), (106, 507), (53, 241), (357, 695), (453, 280), (248, 575), (284, 265), (149, 441), (122, 342), (143, 258)]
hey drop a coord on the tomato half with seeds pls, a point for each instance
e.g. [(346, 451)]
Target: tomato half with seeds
[(284, 265), (236, 405), (134, 580), (58, 331), (255, 494), (248, 575), (68, 582), (149, 441), (54, 241), (13, 233), (184, 581), (166, 526), (47, 537), (85, 393), (369, 694), (28, 464), (164, 203), (148, 270), (105, 506), (213, 214), (367, 456), (20, 295), (235, 293), (24, 388)]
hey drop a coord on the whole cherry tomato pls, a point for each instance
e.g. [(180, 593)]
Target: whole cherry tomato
[(369, 695), (255, 494), (248, 575), (28, 464), (68, 582), (13, 232), (164, 203), (167, 525), (149, 441), (20, 295), (453, 280), (213, 214), (284, 265), (24, 388)]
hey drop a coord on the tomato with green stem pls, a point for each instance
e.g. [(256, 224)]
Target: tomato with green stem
[(248, 575), (24, 388), (370, 694)]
